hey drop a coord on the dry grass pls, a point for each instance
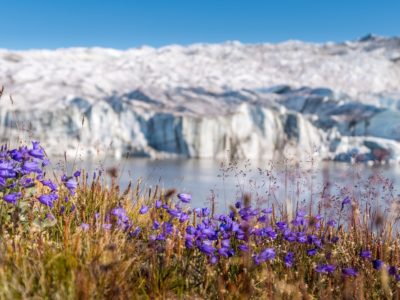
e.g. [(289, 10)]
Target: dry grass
[(42, 258)]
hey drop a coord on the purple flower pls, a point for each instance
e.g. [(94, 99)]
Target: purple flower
[(325, 268), (318, 218), (185, 198), (335, 239), (183, 217), (71, 185), (45, 162), (107, 226), (311, 252), (349, 272), (77, 173), (377, 264), (168, 228), (208, 231), (225, 252), (313, 239), (281, 225), (366, 254), (268, 254), (189, 241), (31, 166), (48, 199), (50, 184), (50, 216), (234, 227), (135, 232), (270, 233), (392, 270), (12, 198), (226, 243), (299, 220), (85, 226), (263, 218), (190, 230), (331, 223), (158, 204), (301, 237), (119, 212), (175, 213), (160, 237), (3, 182), (6, 166), (243, 248), (206, 248), (36, 152), (26, 182), (16, 155), (205, 211), (289, 259), (213, 260), (267, 210), (8, 174), (289, 235), (122, 219), (144, 209), (156, 225), (345, 201)]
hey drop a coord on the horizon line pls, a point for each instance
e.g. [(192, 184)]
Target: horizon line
[(229, 41)]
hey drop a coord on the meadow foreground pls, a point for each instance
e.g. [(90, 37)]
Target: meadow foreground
[(77, 238)]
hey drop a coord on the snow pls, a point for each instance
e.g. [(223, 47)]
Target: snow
[(206, 100)]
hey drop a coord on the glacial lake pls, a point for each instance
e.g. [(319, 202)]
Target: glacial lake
[(267, 184)]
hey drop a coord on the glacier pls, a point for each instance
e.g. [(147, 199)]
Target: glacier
[(334, 101)]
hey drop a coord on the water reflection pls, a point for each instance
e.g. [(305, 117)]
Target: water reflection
[(288, 183)]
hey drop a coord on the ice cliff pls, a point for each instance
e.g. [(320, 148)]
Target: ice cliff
[(334, 101)]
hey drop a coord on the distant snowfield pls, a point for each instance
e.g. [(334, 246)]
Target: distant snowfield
[(179, 100)]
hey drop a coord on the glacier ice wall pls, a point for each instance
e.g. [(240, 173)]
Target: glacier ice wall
[(231, 100)]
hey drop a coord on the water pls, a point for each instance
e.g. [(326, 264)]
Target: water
[(267, 184)]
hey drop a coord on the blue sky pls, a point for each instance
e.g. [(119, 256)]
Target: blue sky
[(124, 24)]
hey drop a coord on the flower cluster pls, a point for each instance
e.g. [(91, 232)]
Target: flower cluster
[(22, 169), (254, 231)]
